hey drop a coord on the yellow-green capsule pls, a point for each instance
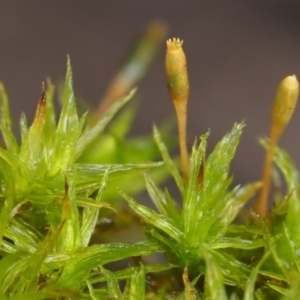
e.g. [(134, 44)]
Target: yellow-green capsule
[(178, 85), (282, 111), (284, 104), (177, 77)]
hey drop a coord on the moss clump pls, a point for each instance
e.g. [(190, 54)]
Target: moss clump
[(65, 178)]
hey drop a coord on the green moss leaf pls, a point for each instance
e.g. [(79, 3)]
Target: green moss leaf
[(137, 286), (112, 285), (214, 277)]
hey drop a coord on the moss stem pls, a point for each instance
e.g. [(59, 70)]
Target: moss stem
[(282, 111), (181, 112)]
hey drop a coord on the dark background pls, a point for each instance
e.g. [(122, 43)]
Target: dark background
[(237, 51)]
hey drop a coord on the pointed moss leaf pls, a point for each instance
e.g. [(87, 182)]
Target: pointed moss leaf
[(164, 204), (91, 290), (82, 122), (161, 222), (239, 199), (112, 285), (173, 210), (6, 122), (77, 268), (168, 160), (227, 242), (67, 132), (24, 149), (138, 284), (218, 163), (193, 191), (90, 134), (90, 215), (71, 238), (36, 137), (50, 123), (250, 283), (214, 277)]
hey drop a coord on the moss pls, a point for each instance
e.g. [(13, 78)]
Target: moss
[(63, 183)]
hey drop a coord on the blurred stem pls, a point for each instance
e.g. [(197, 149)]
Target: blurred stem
[(135, 65)]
